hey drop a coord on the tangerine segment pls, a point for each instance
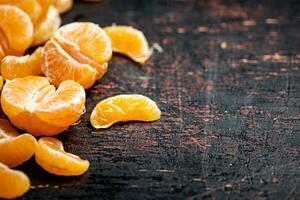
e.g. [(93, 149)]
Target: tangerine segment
[(63, 5), (32, 104), (44, 29), (79, 52), (123, 108), (14, 148), (16, 30), (13, 183), (1, 83), (45, 4), (30, 7), (50, 155), (15, 67), (129, 41)]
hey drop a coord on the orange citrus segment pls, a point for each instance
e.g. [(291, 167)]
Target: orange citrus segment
[(16, 67), (44, 29), (50, 155), (14, 148), (129, 41), (13, 183), (31, 7), (45, 4), (16, 28), (1, 83), (31, 100), (79, 52), (123, 108), (63, 5)]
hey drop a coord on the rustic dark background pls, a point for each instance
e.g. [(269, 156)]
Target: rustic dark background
[(228, 85)]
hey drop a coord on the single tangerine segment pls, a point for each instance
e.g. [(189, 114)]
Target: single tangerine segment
[(44, 29), (13, 183), (32, 104), (16, 30), (1, 83), (15, 148), (45, 5), (129, 41), (30, 7), (123, 108), (51, 156), (78, 51), (16, 67), (63, 5)]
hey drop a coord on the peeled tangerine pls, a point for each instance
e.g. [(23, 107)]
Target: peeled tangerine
[(32, 104), (16, 31), (78, 51), (50, 155), (13, 183), (16, 67), (129, 41), (15, 148), (123, 108)]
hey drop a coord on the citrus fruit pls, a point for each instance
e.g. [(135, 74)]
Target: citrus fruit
[(32, 104), (50, 155), (123, 108), (63, 5), (15, 148), (1, 83), (13, 183), (129, 41), (45, 4), (78, 51), (16, 30), (16, 67), (31, 7), (44, 29)]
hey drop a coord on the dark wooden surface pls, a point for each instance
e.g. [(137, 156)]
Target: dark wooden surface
[(228, 85)]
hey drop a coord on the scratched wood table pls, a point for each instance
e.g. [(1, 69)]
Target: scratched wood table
[(228, 85)]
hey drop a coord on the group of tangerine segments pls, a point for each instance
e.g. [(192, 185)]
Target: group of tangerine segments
[(73, 58)]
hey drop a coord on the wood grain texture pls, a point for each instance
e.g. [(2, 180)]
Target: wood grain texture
[(228, 85)]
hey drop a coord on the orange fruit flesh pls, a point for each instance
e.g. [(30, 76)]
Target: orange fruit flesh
[(123, 108), (129, 41), (63, 5), (79, 52), (87, 38), (14, 148), (31, 100), (45, 4), (15, 67), (13, 183), (1, 83), (50, 155), (16, 30), (30, 7), (44, 29)]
